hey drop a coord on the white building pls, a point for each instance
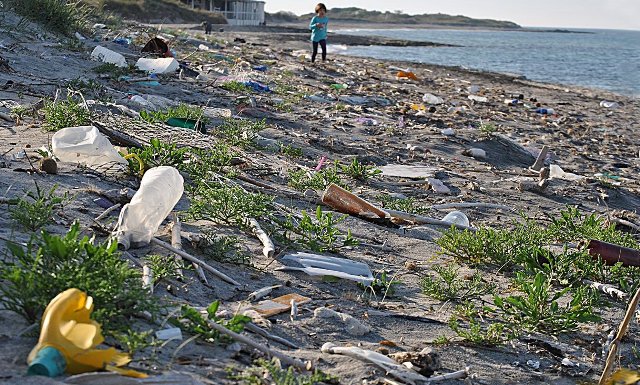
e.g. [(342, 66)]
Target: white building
[(237, 12)]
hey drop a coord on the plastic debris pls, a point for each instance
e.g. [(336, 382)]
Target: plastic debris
[(432, 99), (457, 217), (556, 172), (85, 145), (321, 265), (406, 75), (160, 189), (351, 325), (158, 66), (279, 305), (68, 338), (106, 55)]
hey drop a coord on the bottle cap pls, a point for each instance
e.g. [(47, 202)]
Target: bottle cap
[(48, 362)]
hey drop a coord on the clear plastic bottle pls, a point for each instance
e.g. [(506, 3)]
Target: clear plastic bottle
[(160, 190), (457, 217)]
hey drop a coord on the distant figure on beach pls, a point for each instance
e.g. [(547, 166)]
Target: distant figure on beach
[(318, 28), (207, 27)]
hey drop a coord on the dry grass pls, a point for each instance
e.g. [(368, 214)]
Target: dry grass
[(156, 11)]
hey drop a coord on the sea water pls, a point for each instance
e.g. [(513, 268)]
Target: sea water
[(599, 59)]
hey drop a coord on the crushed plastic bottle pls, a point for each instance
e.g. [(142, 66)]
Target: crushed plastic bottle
[(457, 110), (457, 217), (160, 190)]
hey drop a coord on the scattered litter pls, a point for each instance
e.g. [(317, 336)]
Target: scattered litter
[(351, 325), (556, 172), (406, 75), (348, 203), (158, 66), (476, 153), (157, 46), (438, 186), (322, 265), (106, 55), (479, 99), (279, 305), (607, 104), (612, 254), (68, 339), (432, 99), (160, 189), (85, 145), (456, 217), (448, 132), (408, 171)]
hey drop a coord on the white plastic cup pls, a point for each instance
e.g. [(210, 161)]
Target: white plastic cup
[(457, 218)]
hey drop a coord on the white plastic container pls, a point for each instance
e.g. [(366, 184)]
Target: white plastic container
[(160, 190), (85, 145), (158, 66), (106, 55), (457, 217)]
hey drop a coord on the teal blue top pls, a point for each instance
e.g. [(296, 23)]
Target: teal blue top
[(318, 34)]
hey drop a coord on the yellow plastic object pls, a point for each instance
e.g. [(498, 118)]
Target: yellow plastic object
[(68, 332), (418, 107), (624, 377), (140, 162)]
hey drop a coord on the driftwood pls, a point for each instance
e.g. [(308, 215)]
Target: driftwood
[(537, 166), (248, 341), (622, 330), (261, 332), (117, 137), (269, 249), (108, 211), (176, 241), (191, 258)]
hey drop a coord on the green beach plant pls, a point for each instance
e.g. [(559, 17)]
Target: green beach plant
[(35, 209), (64, 113)]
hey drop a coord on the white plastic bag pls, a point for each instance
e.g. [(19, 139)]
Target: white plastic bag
[(160, 190), (85, 145)]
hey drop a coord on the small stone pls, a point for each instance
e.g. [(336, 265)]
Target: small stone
[(410, 265), (49, 166)]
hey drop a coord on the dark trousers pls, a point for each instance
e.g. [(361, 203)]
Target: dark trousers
[(323, 44)]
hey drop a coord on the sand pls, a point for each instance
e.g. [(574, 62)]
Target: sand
[(583, 137)]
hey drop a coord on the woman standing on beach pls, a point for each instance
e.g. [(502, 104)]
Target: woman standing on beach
[(318, 28)]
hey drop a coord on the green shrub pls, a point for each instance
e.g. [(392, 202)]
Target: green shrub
[(65, 113), (52, 264), (63, 16)]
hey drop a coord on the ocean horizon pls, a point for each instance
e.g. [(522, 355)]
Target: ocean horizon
[(601, 59)]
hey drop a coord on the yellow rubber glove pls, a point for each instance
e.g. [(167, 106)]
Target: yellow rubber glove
[(68, 328)]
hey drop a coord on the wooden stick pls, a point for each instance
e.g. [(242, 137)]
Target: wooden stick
[(422, 220), (6, 117), (269, 249), (248, 341), (471, 205), (261, 332), (191, 258), (625, 223), (108, 211), (537, 166), (606, 288), (622, 330), (451, 376)]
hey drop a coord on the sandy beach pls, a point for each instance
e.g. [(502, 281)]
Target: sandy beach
[(348, 108)]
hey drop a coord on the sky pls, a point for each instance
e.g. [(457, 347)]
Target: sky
[(612, 14)]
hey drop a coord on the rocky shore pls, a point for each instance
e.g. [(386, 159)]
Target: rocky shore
[(443, 137)]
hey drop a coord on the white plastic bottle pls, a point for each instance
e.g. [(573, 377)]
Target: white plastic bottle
[(457, 217), (160, 190)]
